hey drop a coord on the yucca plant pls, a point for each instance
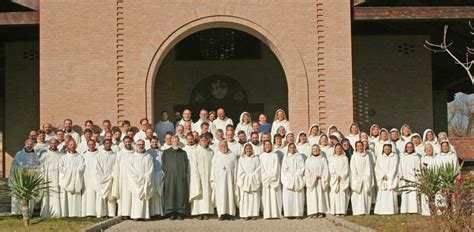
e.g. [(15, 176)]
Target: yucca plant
[(26, 184)]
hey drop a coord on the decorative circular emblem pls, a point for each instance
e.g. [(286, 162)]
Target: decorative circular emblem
[(219, 89)]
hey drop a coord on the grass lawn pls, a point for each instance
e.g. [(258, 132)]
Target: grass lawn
[(15, 223), (399, 222)]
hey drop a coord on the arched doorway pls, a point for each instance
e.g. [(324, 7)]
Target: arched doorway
[(220, 67)]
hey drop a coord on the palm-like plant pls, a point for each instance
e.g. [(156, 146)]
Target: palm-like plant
[(27, 184)]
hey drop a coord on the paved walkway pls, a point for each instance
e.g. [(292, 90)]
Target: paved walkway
[(308, 224)]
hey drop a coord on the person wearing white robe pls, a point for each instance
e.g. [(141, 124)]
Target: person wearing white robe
[(354, 134), (313, 134), (279, 147), (325, 146), (361, 181), (427, 161), (418, 144), (200, 192), (374, 132), (48, 131), (232, 143), (317, 183), (71, 181), (257, 146), (245, 124), (106, 205), (339, 171), (302, 145), (186, 118), (280, 120), (397, 141), (443, 136), (446, 156), (163, 126), (249, 182), (120, 188), (67, 125), (386, 174), (141, 182), (24, 159), (272, 201), (405, 131), (430, 137), (222, 121), (89, 194), (51, 204), (224, 182), (156, 202), (410, 164), (41, 145), (190, 145), (292, 179), (204, 117), (380, 141)]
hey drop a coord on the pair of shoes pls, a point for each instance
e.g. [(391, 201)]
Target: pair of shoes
[(172, 217), (200, 217)]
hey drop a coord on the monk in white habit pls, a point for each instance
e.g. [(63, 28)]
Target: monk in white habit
[(280, 120), (106, 205), (48, 130), (245, 123), (67, 125), (167, 141), (427, 161), (272, 201), (41, 145), (232, 143), (141, 182), (361, 179), (302, 145), (354, 134), (156, 202), (120, 188), (313, 134), (292, 179), (443, 136), (257, 146), (397, 141), (279, 147), (317, 183), (410, 165), (222, 121), (190, 145), (71, 181), (339, 170), (200, 192), (386, 176), (89, 194), (405, 131), (417, 143), (204, 117), (249, 182), (446, 155), (325, 146), (51, 204), (186, 117), (224, 182), (430, 137), (380, 141), (26, 158)]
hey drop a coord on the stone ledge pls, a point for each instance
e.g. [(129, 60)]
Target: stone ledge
[(101, 226)]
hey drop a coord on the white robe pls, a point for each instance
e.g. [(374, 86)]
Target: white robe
[(89, 194), (277, 124), (200, 192), (353, 139), (41, 148), (51, 204), (120, 188), (104, 177), (271, 189), (361, 179), (409, 165), (317, 198), (446, 158), (426, 162), (197, 126), (156, 202), (23, 159), (224, 182), (304, 149), (387, 202), (257, 149), (74, 135), (249, 182), (71, 182), (326, 151), (221, 124), (247, 128), (292, 179), (189, 149), (141, 182), (339, 194), (378, 147)]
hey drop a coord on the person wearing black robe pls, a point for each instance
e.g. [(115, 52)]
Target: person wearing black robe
[(175, 167)]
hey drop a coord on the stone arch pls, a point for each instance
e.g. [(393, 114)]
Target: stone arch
[(167, 37)]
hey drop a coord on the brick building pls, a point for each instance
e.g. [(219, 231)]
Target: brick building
[(325, 62)]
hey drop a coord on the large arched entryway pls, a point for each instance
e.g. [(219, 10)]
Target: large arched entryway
[(220, 67)]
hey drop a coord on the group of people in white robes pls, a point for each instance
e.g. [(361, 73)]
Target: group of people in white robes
[(232, 171)]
